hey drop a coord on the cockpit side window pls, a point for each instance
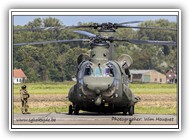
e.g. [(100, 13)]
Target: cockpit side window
[(88, 71), (109, 72)]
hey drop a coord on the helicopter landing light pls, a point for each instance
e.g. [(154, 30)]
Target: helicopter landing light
[(106, 104), (116, 95)]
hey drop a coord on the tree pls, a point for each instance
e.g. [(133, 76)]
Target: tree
[(58, 61), (158, 55), (52, 22), (35, 23)]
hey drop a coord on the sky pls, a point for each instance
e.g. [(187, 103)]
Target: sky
[(73, 20)]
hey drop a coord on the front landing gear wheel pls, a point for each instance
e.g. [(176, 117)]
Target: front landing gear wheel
[(70, 110), (76, 110)]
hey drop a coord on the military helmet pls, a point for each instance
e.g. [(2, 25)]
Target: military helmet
[(23, 87)]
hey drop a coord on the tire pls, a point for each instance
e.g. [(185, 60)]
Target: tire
[(131, 110), (76, 110), (70, 110), (125, 111)]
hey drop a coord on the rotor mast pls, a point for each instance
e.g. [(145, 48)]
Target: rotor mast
[(107, 30)]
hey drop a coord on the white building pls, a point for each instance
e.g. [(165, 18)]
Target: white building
[(19, 76)]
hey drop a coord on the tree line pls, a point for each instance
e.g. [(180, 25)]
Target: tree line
[(58, 61)]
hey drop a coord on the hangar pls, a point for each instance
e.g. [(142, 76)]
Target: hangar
[(147, 76)]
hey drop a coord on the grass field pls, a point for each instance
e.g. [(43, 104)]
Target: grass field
[(51, 97), (45, 88)]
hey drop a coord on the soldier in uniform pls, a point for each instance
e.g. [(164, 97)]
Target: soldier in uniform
[(24, 95)]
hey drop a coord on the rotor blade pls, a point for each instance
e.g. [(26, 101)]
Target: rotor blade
[(129, 22), (52, 28), (80, 26), (155, 42), (95, 26), (148, 27), (85, 33), (39, 28), (55, 41)]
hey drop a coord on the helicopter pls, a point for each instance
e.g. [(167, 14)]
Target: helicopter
[(102, 82)]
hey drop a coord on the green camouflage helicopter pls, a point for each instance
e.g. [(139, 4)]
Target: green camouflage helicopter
[(102, 82)]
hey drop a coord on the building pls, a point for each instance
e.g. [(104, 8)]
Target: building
[(147, 76), (19, 76)]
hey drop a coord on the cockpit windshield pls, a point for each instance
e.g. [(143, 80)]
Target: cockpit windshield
[(99, 71)]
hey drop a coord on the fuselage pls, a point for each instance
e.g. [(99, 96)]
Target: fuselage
[(100, 83), (99, 80)]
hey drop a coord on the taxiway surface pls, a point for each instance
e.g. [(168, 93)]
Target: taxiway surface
[(92, 118)]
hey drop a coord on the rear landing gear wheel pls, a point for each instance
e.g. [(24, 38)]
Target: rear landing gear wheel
[(131, 110)]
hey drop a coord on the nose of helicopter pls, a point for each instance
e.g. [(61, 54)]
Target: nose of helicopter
[(98, 84)]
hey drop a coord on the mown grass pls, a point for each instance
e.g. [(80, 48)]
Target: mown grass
[(45, 88), (155, 110), (154, 88), (63, 88), (43, 109), (138, 89)]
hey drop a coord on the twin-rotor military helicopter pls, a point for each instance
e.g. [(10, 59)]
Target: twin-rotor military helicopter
[(102, 82)]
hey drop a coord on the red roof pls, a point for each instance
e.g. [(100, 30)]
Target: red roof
[(18, 73)]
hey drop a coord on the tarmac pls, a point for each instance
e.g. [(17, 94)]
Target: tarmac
[(86, 118)]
